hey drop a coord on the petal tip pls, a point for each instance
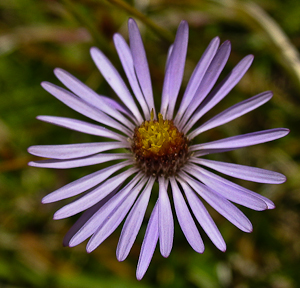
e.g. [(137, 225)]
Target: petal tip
[(31, 163), (58, 72), (94, 51), (45, 200), (44, 84)]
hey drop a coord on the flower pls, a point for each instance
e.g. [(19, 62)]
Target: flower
[(157, 148)]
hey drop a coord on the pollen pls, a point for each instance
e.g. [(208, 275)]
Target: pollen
[(159, 147)]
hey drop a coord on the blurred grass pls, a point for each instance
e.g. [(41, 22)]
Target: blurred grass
[(37, 36)]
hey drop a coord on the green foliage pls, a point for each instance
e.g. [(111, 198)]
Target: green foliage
[(37, 36)]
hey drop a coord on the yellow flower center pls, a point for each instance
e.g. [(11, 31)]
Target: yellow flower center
[(159, 147), (158, 137)]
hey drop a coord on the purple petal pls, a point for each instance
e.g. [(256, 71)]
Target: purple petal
[(114, 79), (211, 76), (231, 193), (203, 217), (107, 105), (169, 56), (100, 216), (70, 151), (243, 140), (221, 90), (127, 63), (94, 196), (197, 76), (185, 219), (243, 172), (83, 184), (220, 204), (133, 222), (165, 219), (149, 244), (113, 220), (233, 112), (234, 192), (203, 152), (117, 106), (140, 62), (82, 107), (79, 162), (82, 126), (174, 71), (85, 217)]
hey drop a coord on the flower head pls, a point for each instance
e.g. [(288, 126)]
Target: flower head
[(159, 148)]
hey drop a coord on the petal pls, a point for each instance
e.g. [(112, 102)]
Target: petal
[(197, 76), (243, 140), (231, 193), (117, 106), (107, 105), (114, 79), (85, 217), (149, 244), (243, 172), (233, 112), (82, 126), (203, 217), (70, 151), (100, 216), (185, 219), (114, 218), (79, 162), (203, 152), (210, 78), (82, 107), (220, 204), (175, 70), (133, 222), (234, 192), (94, 196), (85, 183), (169, 56), (165, 219), (140, 62), (127, 63), (221, 90)]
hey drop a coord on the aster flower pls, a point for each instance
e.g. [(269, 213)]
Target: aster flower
[(154, 148)]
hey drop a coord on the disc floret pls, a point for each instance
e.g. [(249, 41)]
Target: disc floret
[(159, 147)]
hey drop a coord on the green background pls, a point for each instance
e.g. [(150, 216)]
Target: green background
[(37, 36)]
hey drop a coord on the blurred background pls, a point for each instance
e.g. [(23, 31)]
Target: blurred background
[(37, 36)]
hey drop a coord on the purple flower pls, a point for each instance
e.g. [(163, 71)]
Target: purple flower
[(154, 147)]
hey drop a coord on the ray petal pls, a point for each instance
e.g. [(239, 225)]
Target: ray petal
[(197, 76), (114, 79), (149, 243), (133, 222), (233, 112), (94, 196), (165, 219), (83, 184), (220, 204), (203, 216), (140, 62), (221, 90), (174, 71), (69, 151), (243, 140), (185, 219)]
